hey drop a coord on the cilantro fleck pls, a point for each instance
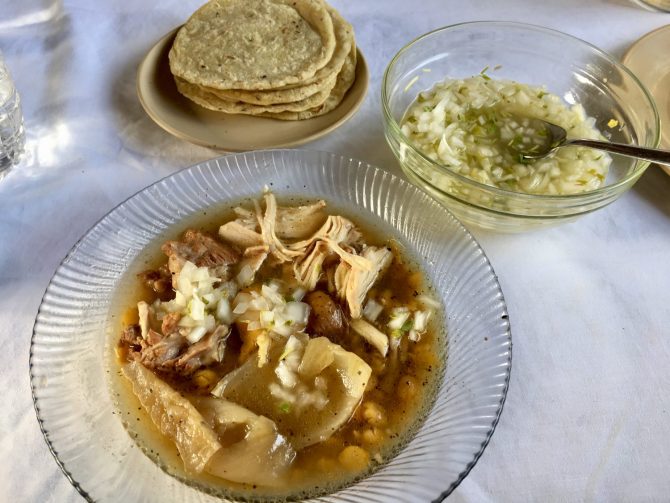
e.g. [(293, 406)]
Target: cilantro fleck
[(523, 160)]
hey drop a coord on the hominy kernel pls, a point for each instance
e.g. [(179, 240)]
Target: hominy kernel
[(374, 414), (354, 458)]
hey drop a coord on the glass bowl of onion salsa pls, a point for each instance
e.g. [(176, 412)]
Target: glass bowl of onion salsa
[(550, 67)]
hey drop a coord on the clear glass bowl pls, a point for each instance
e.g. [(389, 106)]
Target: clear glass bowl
[(569, 67), (71, 386)]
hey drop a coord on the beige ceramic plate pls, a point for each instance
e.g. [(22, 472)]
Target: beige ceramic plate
[(649, 59), (233, 133)]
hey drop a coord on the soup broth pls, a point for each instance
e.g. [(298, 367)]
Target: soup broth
[(332, 435)]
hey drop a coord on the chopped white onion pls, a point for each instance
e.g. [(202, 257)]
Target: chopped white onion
[(421, 320), (209, 322), (180, 299), (267, 319), (254, 325), (281, 393), (428, 301), (228, 290), (223, 311), (143, 312), (241, 308), (187, 270), (263, 342), (187, 322), (275, 285), (372, 310), (197, 309), (272, 295), (297, 313), (293, 352), (243, 297), (315, 398), (377, 339), (259, 303), (210, 299), (196, 334), (286, 377), (246, 276), (460, 123), (202, 274), (298, 294), (184, 285), (399, 315), (282, 326)]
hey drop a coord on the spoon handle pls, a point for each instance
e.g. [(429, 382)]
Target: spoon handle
[(648, 154)]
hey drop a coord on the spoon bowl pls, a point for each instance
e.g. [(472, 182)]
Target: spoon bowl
[(551, 137)]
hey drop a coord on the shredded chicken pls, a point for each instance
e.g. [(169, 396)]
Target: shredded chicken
[(251, 262), (332, 234), (247, 218), (203, 251), (268, 223), (299, 222), (308, 268), (238, 234), (336, 236), (336, 229), (353, 283)]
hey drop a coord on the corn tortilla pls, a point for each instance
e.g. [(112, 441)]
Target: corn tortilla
[(324, 78), (253, 44), (212, 101), (345, 79)]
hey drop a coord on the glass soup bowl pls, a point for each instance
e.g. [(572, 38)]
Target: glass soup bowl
[(72, 378)]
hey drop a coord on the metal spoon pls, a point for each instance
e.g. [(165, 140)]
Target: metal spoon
[(556, 137)]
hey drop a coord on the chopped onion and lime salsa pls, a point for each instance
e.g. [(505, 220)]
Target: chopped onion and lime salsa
[(477, 126)]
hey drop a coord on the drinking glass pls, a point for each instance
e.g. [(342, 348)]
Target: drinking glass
[(12, 135)]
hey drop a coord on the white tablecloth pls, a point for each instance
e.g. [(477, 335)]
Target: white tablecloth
[(588, 411)]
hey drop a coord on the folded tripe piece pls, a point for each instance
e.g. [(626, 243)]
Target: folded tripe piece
[(198, 429), (310, 387)]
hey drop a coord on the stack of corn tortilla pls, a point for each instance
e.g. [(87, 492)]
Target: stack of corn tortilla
[(285, 59)]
